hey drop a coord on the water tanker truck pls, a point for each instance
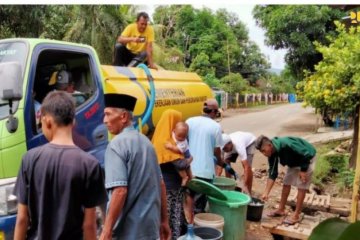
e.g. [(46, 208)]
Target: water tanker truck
[(29, 69)]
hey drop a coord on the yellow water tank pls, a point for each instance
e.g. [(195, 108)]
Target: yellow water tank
[(182, 91)]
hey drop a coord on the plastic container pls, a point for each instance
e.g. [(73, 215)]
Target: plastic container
[(190, 234), (255, 210), (183, 238), (209, 220), (234, 212), (208, 233), (225, 183)]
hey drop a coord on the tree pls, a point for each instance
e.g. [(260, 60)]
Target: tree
[(295, 28), (234, 83), (252, 63), (166, 18), (220, 35), (335, 84), (22, 20), (98, 26), (201, 65), (211, 80), (56, 21)]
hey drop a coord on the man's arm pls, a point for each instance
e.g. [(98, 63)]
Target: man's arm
[(165, 232), (22, 222), (89, 224), (269, 185), (117, 202), (217, 154), (125, 40), (149, 51), (248, 175)]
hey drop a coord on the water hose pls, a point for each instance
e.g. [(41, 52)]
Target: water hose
[(150, 107)]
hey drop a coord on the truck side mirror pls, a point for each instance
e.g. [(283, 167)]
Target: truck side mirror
[(11, 82), (10, 90)]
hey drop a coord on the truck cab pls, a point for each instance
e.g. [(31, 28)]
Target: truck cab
[(42, 63)]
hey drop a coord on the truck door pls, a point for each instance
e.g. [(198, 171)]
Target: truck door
[(53, 65)]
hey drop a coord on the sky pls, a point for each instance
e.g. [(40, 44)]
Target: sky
[(256, 34)]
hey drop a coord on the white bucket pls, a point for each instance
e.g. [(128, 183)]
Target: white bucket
[(209, 220)]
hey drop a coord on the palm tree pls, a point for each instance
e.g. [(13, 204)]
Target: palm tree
[(98, 26)]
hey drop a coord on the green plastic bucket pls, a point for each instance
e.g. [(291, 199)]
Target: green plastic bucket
[(234, 212), (225, 183)]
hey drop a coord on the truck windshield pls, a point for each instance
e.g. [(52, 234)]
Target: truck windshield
[(12, 51)]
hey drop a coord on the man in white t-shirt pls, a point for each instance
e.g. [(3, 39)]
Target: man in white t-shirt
[(240, 144)]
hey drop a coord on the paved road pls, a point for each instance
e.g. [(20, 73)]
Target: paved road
[(285, 119)]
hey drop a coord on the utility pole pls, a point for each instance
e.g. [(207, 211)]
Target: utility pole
[(355, 195)]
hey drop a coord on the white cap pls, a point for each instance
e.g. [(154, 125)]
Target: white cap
[(225, 139)]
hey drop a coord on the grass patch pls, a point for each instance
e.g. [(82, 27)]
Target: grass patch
[(328, 167), (321, 171), (346, 179)]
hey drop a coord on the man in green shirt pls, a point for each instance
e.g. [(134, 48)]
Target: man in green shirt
[(299, 156)]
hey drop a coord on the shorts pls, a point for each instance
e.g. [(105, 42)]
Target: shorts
[(250, 151), (292, 176)]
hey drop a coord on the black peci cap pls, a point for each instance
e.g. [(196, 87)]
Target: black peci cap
[(116, 100)]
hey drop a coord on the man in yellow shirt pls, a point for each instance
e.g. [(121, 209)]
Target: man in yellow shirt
[(134, 45)]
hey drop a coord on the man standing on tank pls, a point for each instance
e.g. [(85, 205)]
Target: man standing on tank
[(135, 44)]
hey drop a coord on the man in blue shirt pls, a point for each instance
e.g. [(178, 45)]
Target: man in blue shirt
[(204, 142), (137, 196)]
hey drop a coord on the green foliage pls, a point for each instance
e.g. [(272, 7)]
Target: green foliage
[(336, 81), (338, 162), (321, 171), (22, 20), (331, 166), (170, 58), (166, 18), (234, 83), (217, 43), (201, 65), (252, 64), (98, 26), (220, 36), (57, 20), (295, 28), (211, 80), (289, 77), (346, 178), (336, 229)]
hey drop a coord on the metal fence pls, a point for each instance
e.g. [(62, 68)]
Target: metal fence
[(237, 100)]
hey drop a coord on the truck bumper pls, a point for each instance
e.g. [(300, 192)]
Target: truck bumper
[(7, 227)]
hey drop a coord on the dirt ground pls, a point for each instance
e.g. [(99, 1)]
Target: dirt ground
[(303, 125)]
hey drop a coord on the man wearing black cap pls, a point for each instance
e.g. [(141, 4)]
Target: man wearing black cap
[(137, 198)]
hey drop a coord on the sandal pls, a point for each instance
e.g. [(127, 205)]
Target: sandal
[(290, 221), (275, 214)]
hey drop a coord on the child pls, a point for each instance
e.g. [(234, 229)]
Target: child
[(179, 135)]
